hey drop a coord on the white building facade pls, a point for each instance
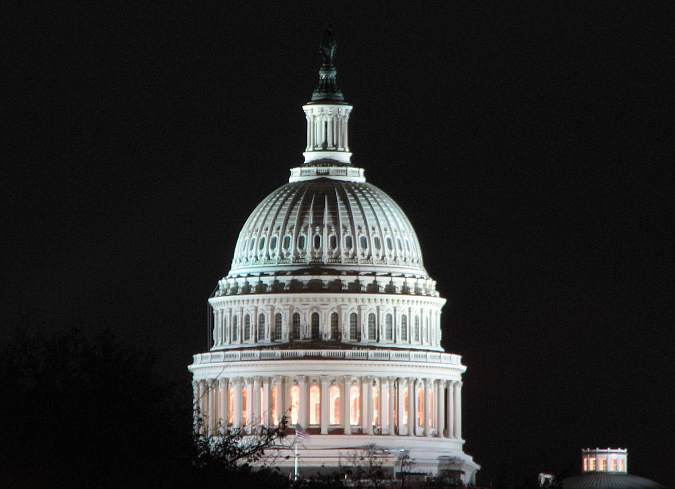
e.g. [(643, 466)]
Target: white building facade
[(329, 317)]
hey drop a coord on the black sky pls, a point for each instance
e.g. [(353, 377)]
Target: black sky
[(529, 143)]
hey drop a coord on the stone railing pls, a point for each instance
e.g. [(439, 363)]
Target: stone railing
[(374, 355)]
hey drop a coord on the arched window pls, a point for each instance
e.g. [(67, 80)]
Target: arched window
[(314, 405), (261, 327), (376, 242), (417, 328), (388, 327), (317, 241), (235, 329), (261, 243), (353, 327), (404, 328), (335, 404), (348, 243), (277, 326), (301, 242), (247, 327), (251, 245), (316, 329), (287, 242), (363, 242), (372, 330), (390, 246), (296, 326), (295, 404), (333, 242), (334, 326), (355, 405), (273, 243)]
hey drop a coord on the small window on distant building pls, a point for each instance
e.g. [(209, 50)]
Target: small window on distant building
[(363, 242)]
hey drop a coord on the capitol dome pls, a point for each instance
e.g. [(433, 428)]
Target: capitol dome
[(337, 224), (329, 317)]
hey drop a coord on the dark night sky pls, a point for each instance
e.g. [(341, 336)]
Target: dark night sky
[(527, 142)]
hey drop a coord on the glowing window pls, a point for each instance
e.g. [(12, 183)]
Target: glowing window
[(261, 327), (334, 326), (612, 464), (585, 461), (247, 327), (230, 404), (275, 406), (372, 332), (355, 409), (404, 327), (335, 404), (389, 327), (621, 466), (296, 326), (295, 404), (244, 405), (406, 401), (420, 407), (591, 463), (316, 327), (353, 327), (376, 404), (314, 405), (603, 464)]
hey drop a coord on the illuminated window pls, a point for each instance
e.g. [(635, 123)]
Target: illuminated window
[(376, 404), (235, 329), (335, 404), (314, 405), (622, 468), (372, 332), (404, 327), (244, 405), (591, 463), (275, 406), (230, 405), (585, 462), (389, 327), (406, 400), (334, 326), (603, 464), (277, 326), (261, 327), (420, 408), (295, 404), (355, 409), (353, 327), (296, 326), (247, 327), (316, 329), (612, 464)]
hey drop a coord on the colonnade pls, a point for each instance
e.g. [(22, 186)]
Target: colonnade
[(403, 406)]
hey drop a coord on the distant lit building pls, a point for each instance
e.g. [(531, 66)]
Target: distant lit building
[(607, 468), (329, 316)]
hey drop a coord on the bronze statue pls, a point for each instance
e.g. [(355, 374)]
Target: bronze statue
[(328, 47)]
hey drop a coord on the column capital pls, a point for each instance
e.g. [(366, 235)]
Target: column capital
[(325, 380)]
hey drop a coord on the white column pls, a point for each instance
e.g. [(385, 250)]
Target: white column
[(329, 136), (384, 408), (366, 402), (279, 385), (391, 398), (224, 390), (249, 404), (401, 385), (266, 402), (450, 415), (255, 419), (195, 405), (426, 430), (458, 410), (237, 407), (440, 429), (324, 405), (213, 406), (346, 392), (412, 407), (303, 407)]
